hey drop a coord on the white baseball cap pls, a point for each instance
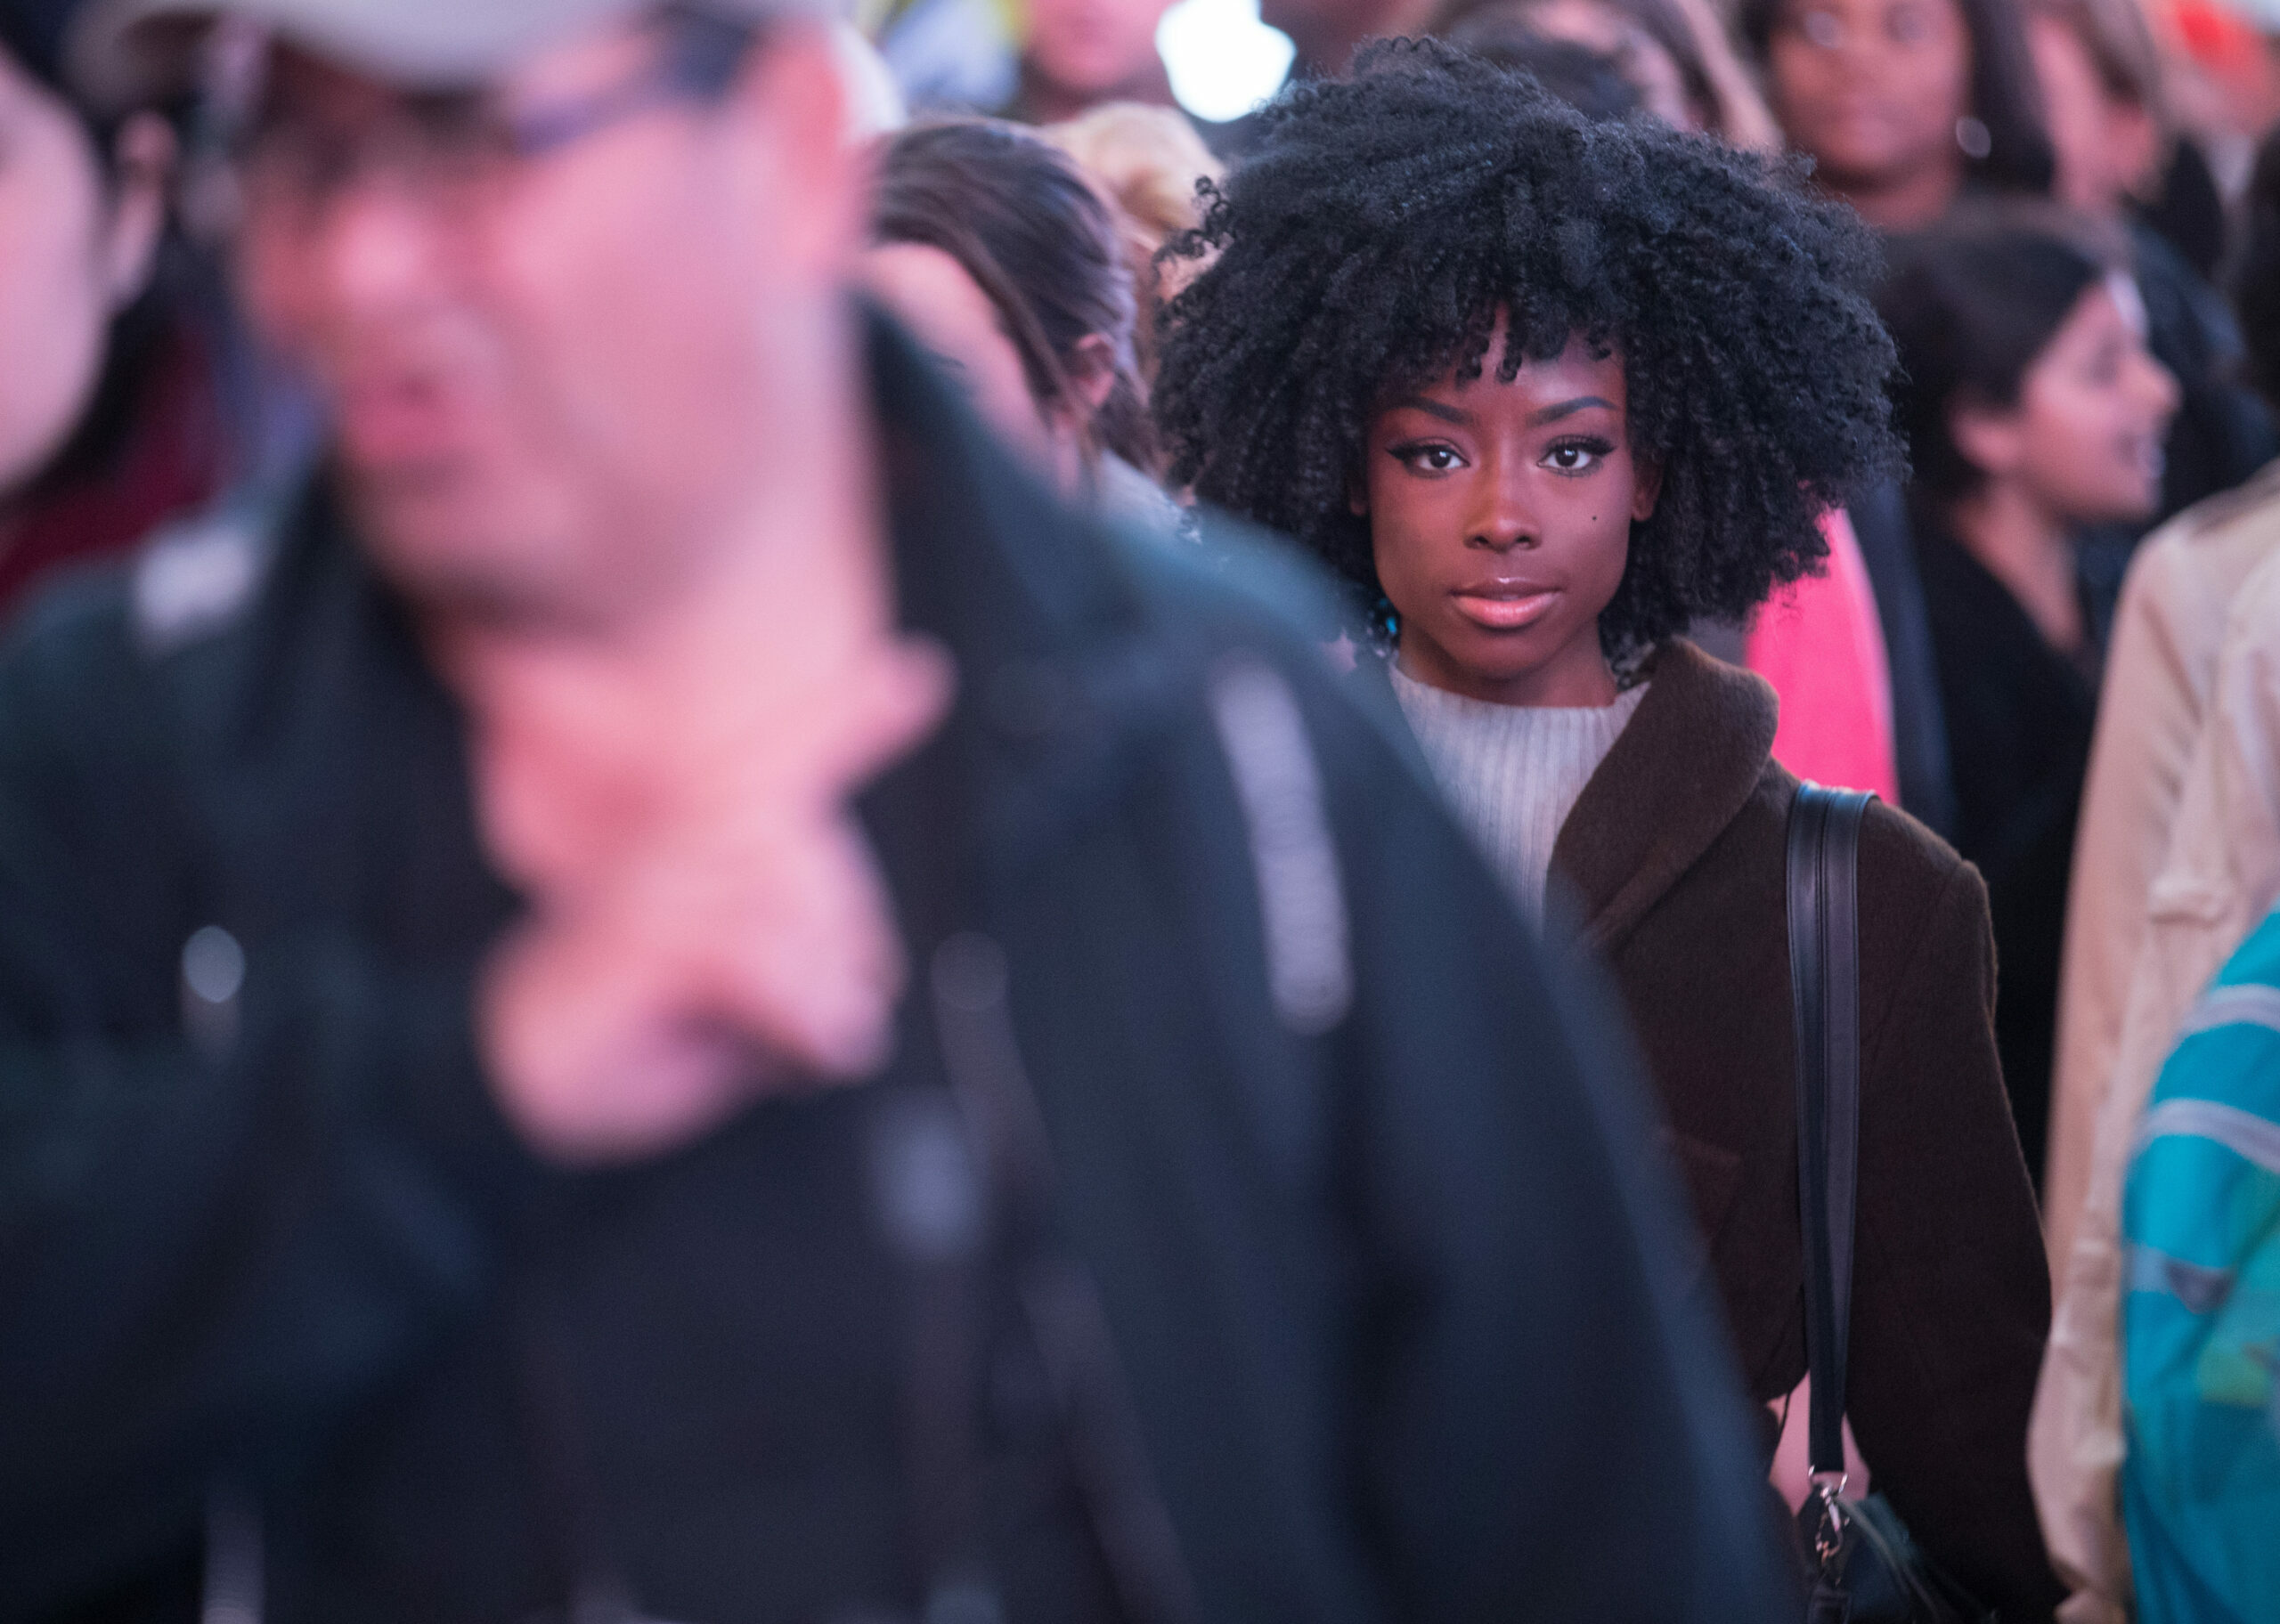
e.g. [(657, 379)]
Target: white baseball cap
[(128, 53)]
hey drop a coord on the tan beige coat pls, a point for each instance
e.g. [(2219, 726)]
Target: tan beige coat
[(2159, 673), (2220, 877)]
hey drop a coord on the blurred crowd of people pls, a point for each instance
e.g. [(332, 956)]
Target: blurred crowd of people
[(812, 819)]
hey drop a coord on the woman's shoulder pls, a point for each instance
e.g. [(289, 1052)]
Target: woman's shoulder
[(1908, 875), (1899, 852), (1927, 945)]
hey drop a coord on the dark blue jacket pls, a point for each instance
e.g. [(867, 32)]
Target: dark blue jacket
[(1389, 1286)]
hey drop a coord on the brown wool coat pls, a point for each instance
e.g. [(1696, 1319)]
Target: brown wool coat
[(1673, 858)]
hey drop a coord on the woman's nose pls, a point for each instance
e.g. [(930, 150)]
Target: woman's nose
[(2161, 387), (1505, 519)]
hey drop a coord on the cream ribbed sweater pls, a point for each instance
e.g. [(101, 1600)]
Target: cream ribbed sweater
[(1512, 772)]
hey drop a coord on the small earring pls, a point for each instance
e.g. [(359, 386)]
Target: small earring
[(1972, 136)]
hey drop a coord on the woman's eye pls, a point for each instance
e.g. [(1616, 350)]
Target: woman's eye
[(1572, 458), (1429, 459), (1821, 30)]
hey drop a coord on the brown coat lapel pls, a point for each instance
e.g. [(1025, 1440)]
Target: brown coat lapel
[(1683, 770)]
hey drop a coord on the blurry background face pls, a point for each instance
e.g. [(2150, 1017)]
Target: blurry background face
[(2107, 146), (2085, 439), (59, 274), (949, 312), (1872, 88), (1640, 59), (549, 373), (1090, 50), (1325, 31)]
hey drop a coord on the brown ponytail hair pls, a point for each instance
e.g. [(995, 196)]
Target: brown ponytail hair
[(1026, 225)]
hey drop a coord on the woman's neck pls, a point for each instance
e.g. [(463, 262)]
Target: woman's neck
[(2029, 549), (1906, 203), (1042, 100), (1574, 680)]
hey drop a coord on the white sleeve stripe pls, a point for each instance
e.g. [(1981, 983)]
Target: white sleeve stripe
[(1302, 902)]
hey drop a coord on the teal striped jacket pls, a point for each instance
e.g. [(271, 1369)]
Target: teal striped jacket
[(2200, 1316)]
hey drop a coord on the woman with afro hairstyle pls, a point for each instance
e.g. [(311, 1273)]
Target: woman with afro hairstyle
[(1545, 392)]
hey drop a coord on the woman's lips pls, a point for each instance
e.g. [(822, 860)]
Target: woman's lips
[(1502, 609)]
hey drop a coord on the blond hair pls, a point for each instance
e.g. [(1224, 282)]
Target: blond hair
[(1144, 162)]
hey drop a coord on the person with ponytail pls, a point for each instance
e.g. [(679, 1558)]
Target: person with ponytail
[(1008, 264)]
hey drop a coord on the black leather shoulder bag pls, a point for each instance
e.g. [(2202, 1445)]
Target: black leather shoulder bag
[(1863, 1566)]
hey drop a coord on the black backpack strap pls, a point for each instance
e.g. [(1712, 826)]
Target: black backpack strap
[(982, 1054), (1824, 862)]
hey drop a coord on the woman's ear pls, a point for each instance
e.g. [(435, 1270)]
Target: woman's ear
[(143, 168), (1090, 367), (1646, 490)]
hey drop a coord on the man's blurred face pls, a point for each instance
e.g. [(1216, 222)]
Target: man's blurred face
[(550, 356)]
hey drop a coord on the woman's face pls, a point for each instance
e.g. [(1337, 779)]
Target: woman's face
[(2084, 441), (1873, 90), (59, 282), (2108, 147), (1500, 515), (1093, 49)]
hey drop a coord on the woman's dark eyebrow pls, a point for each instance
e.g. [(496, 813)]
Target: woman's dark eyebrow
[(1434, 408), (1568, 409)]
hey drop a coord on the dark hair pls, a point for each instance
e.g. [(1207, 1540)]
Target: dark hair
[(1383, 224), (1027, 226), (33, 33), (1477, 25), (1971, 303), (1590, 81), (2256, 273), (2004, 94)]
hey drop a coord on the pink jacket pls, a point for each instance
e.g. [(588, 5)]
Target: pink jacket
[(1821, 647)]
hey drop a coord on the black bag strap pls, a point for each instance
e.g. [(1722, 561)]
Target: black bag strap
[(1824, 864)]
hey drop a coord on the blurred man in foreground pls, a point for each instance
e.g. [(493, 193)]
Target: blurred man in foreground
[(670, 995)]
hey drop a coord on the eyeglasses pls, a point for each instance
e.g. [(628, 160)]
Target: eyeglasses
[(452, 151)]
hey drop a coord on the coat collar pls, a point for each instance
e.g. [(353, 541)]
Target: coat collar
[(1685, 766)]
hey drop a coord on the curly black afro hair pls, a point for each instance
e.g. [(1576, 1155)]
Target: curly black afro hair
[(1385, 221)]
